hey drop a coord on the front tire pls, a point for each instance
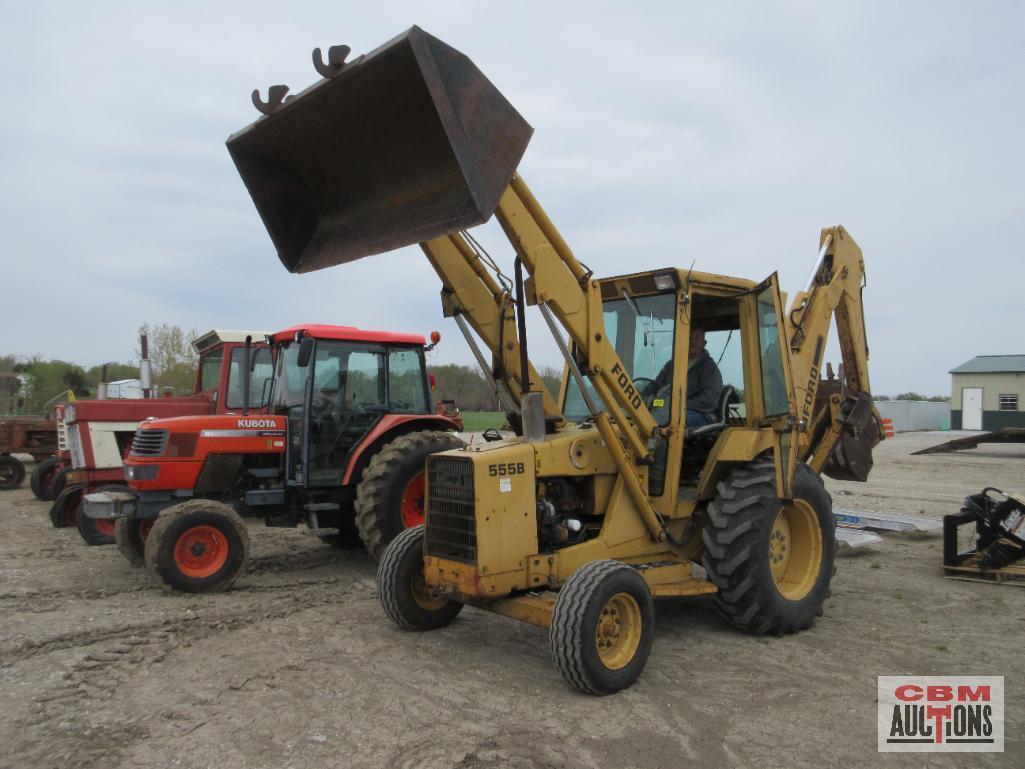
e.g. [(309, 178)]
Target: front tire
[(12, 472), (602, 627), (43, 477), (401, 588), (99, 531), (130, 535), (771, 561), (390, 498), (64, 510), (198, 546)]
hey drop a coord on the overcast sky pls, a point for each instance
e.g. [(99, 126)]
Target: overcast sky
[(725, 134)]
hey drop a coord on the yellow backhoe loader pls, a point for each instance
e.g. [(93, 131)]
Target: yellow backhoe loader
[(604, 500)]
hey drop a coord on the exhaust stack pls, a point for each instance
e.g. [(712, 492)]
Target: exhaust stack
[(101, 388), (403, 144), (145, 369)]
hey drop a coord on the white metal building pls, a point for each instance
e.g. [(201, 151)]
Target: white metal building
[(988, 393)]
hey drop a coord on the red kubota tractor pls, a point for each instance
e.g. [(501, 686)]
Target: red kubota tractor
[(341, 448), (98, 433)]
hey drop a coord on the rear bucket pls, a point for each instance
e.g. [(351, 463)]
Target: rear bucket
[(404, 144)]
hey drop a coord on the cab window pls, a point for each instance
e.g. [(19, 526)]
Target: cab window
[(406, 381), (210, 370), (262, 370)]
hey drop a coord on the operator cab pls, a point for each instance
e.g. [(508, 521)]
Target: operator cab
[(648, 319), (337, 386)]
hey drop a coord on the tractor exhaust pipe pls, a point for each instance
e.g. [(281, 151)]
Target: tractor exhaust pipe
[(101, 388), (145, 368), (403, 144)]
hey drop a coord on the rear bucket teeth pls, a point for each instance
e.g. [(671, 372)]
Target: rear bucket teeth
[(276, 98), (336, 56)]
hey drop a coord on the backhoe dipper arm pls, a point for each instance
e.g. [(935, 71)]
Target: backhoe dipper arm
[(834, 291), (561, 283), (470, 291)]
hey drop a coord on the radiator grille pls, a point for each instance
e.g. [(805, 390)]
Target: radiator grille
[(149, 443), (451, 518)]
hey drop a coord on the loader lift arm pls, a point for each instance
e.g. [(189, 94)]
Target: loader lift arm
[(837, 436)]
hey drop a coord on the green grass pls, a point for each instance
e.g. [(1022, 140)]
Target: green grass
[(479, 421)]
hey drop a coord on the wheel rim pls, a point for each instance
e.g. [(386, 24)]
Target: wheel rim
[(47, 478), (105, 526), (422, 593), (413, 501), (200, 552), (8, 472), (795, 550), (618, 635)]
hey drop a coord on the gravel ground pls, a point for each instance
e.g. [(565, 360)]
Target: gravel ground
[(297, 666)]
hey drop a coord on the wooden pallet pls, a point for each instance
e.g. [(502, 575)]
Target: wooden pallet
[(1009, 575)]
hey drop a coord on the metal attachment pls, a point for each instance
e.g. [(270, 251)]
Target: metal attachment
[(276, 99), (336, 55)]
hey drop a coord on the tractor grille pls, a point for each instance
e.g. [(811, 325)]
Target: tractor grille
[(149, 443), (451, 519)]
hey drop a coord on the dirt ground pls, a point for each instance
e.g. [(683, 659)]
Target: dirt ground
[(298, 667)]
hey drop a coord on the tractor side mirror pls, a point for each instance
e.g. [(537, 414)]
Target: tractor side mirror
[(305, 352)]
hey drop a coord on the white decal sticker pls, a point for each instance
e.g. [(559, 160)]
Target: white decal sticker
[(504, 484), (256, 423)]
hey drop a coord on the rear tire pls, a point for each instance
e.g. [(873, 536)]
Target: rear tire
[(12, 472), (64, 510), (602, 627), (43, 476), (771, 562), (389, 499), (198, 546), (401, 588), (99, 531), (130, 535)]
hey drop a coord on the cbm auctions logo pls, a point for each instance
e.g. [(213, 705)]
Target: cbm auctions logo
[(941, 714)]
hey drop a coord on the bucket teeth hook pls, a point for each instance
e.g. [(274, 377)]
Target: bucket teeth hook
[(275, 99), (336, 55)]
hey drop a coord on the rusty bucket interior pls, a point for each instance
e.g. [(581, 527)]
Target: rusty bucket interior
[(403, 144)]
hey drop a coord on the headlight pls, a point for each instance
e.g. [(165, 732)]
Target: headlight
[(141, 472)]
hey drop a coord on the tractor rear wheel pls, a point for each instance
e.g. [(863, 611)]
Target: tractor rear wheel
[(130, 534), (99, 531), (602, 627), (43, 477), (198, 546), (12, 472), (64, 510), (771, 560), (401, 588), (390, 497)]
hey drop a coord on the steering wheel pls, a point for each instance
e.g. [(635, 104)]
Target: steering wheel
[(642, 387)]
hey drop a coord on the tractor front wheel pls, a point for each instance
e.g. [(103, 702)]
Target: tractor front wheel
[(402, 590), (99, 531), (198, 546), (390, 497), (64, 510), (130, 535), (602, 627), (43, 477), (60, 481), (771, 560), (12, 472)]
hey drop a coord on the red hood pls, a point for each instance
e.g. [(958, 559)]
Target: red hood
[(231, 421), (138, 409)]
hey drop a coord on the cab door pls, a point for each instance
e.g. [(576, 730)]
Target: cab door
[(776, 383)]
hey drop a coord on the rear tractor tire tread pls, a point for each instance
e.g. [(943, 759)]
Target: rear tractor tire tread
[(129, 541), (379, 494), (736, 542), (175, 521), (66, 502)]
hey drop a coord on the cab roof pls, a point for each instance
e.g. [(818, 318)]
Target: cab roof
[(220, 336), (350, 334)]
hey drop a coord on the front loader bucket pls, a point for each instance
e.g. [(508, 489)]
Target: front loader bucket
[(406, 143)]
